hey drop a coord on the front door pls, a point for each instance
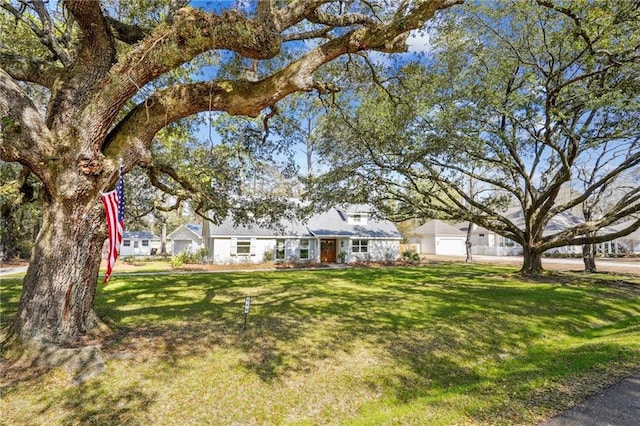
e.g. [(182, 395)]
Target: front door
[(328, 251)]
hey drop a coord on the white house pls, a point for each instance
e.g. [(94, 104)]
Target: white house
[(338, 235), (139, 243), (441, 238), (629, 244), (353, 233), (185, 238)]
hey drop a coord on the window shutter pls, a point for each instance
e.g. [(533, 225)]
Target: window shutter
[(234, 247)]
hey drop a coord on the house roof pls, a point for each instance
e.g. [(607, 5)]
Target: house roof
[(635, 235), (285, 228), (332, 223), (194, 228), (440, 227), (139, 235), (557, 224)]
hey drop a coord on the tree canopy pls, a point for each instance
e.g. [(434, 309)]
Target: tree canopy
[(532, 106)]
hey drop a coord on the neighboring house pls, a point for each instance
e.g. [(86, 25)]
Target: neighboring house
[(629, 244), (440, 238), (338, 235), (185, 239), (139, 243)]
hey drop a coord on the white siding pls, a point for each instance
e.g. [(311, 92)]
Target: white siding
[(377, 250), (225, 250), (428, 245), (135, 247)]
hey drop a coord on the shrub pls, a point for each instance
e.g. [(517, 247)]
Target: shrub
[(411, 256), (178, 260), (268, 256), (185, 257)]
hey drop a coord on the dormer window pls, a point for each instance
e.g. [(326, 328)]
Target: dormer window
[(357, 219)]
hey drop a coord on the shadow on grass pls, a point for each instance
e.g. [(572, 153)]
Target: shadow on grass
[(471, 310), (90, 404), (446, 327)]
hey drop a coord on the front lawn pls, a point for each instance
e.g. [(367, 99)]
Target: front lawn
[(441, 344)]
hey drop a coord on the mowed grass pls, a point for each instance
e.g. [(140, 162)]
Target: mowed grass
[(438, 345)]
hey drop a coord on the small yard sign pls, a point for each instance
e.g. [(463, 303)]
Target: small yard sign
[(247, 305)]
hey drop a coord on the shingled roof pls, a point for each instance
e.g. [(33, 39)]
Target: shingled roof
[(332, 223)]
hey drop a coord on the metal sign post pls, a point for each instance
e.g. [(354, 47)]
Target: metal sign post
[(247, 305)]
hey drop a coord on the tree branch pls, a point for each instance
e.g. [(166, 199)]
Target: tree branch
[(135, 132), (24, 69), (129, 34), (46, 34), (23, 134)]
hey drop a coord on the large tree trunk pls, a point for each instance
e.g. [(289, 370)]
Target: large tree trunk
[(56, 306), (532, 261)]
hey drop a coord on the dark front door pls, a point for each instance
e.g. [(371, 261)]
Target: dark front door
[(328, 251)]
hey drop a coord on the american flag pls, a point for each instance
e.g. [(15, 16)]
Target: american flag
[(114, 209)]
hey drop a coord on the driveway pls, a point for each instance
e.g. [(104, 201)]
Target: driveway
[(13, 270), (618, 405), (621, 265)]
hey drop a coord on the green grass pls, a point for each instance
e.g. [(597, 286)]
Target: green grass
[(443, 344)]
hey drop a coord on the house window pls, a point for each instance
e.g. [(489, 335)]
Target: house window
[(480, 235), (135, 244), (357, 218), (145, 243), (126, 243), (243, 248), (280, 245), (360, 246), (304, 249)]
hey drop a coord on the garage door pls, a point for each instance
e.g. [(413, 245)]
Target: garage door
[(450, 246), (180, 246)]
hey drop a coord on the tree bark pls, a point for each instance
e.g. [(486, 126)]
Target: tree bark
[(532, 262), (589, 257), (467, 244), (57, 299)]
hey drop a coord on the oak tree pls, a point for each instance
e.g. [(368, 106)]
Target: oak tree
[(517, 102), (87, 84)]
